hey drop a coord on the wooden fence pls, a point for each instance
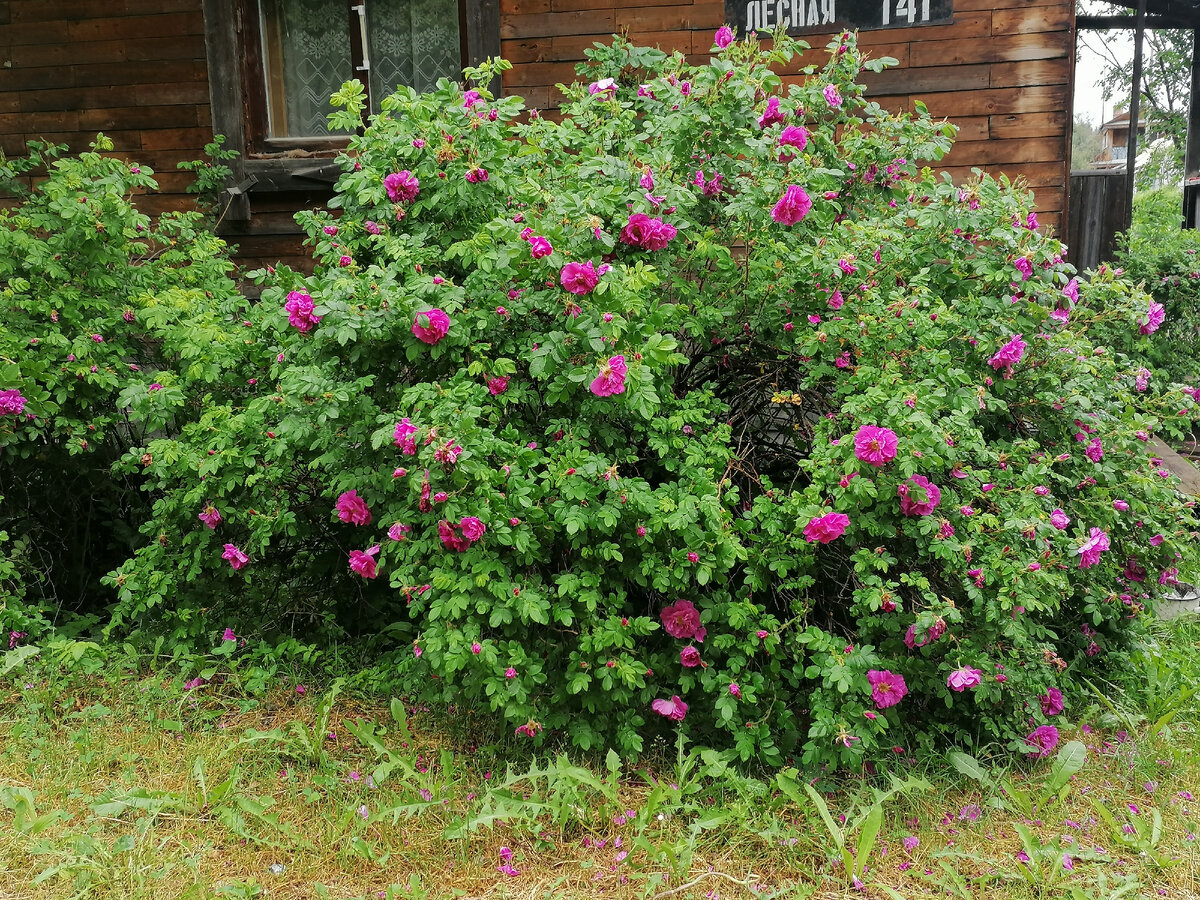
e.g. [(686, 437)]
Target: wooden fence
[(1097, 205)]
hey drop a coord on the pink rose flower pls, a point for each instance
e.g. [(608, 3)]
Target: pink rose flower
[(236, 557), (1025, 267), (398, 531), (1155, 316), (887, 688), (431, 326), (1089, 552), (689, 657), (832, 97), (674, 709), (1060, 519), (451, 536), (723, 38), (1052, 702), (792, 207), (961, 679), (402, 187), (579, 278), (472, 528), (353, 509), (210, 517), (497, 386), (1094, 450), (405, 437), (681, 619), (540, 247), (229, 635), (918, 496), (771, 115), (363, 563), (12, 403), (794, 136), (826, 528), (299, 307), (647, 233), (875, 445), (1008, 355), (611, 379), (1043, 740)]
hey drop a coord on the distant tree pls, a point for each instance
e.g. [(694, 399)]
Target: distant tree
[(1086, 143)]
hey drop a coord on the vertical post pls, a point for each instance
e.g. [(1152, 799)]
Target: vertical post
[(1191, 157), (1135, 98)]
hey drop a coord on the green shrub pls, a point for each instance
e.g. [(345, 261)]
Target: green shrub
[(1162, 256), (93, 296), (568, 414)]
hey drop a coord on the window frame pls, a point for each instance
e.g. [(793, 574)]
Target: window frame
[(237, 93)]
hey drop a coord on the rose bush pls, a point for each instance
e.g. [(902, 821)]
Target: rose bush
[(705, 407), (101, 309)]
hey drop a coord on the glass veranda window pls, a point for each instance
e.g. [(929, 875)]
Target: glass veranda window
[(311, 46)]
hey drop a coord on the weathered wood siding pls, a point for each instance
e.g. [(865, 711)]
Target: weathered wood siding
[(1001, 71)]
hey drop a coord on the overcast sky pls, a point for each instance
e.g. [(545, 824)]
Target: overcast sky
[(1088, 97)]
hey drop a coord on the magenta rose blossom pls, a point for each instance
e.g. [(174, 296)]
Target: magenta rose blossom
[(299, 307), (794, 136), (611, 379), (1155, 316), (674, 709), (236, 557), (648, 233), (1089, 553), (724, 37), (826, 528), (961, 679), (887, 688), (771, 115), (353, 509), (11, 402), (399, 531), (210, 517), (689, 656), (1060, 519), (402, 187), (405, 437), (497, 385), (1052, 702), (1008, 355), (363, 562), (1043, 740), (918, 496), (452, 537), (876, 446), (681, 620), (431, 326), (579, 278), (472, 528), (540, 247), (792, 207)]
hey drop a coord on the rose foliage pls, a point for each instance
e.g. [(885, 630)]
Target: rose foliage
[(705, 407)]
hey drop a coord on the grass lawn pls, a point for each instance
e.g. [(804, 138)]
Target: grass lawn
[(120, 783)]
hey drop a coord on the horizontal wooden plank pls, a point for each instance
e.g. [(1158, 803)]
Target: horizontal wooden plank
[(539, 74), (172, 25), (25, 56), (972, 128), (893, 81), (1006, 48), (1037, 174), (1027, 125), (1031, 72), (669, 18), (176, 139), (569, 48), (71, 98), (523, 8), (1028, 20), (571, 5), (67, 10), (170, 72), (591, 22), (189, 92), (996, 101), (37, 79), (966, 26), (971, 5), (53, 32), (33, 123), (994, 153), (155, 117), (148, 50)]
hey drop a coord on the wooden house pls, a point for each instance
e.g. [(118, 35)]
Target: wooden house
[(159, 77)]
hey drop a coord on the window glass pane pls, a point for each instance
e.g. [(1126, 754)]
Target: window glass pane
[(306, 57), (412, 42)]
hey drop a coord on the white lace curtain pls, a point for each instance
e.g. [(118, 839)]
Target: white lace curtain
[(307, 54)]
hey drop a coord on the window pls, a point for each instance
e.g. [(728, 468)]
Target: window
[(383, 43), (273, 64)]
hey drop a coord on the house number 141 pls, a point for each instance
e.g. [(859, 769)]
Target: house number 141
[(905, 11)]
